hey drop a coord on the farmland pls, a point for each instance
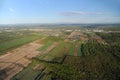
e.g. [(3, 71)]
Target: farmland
[(15, 39), (62, 53)]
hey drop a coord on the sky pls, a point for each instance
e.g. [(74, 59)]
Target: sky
[(59, 11)]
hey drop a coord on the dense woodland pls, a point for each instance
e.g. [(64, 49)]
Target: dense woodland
[(111, 38), (98, 61)]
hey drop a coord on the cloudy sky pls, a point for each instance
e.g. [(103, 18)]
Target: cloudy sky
[(59, 11)]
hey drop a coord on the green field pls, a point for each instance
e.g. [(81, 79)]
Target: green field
[(45, 46), (52, 39), (17, 42), (57, 53), (72, 48), (79, 51)]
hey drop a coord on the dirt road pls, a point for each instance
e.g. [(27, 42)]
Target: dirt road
[(76, 49)]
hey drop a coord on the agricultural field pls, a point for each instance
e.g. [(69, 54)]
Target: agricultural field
[(59, 54), (11, 40)]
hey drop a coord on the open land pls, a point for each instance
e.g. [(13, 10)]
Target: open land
[(53, 53)]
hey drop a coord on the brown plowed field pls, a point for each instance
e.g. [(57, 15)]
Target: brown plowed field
[(14, 61)]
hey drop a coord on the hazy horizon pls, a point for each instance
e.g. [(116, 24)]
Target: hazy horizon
[(62, 11)]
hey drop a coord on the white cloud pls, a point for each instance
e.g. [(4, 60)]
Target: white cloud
[(11, 10), (72, 13)]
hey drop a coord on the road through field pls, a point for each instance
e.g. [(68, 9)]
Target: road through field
[(14, 61), (76, 49)]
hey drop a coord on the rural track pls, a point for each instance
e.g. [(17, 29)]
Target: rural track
[(76, 49)]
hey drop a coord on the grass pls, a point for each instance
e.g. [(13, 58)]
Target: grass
[(52, 39), (45, 46), (79, 51), (8, 36), (56, 53), (72, 48), (17, 42)]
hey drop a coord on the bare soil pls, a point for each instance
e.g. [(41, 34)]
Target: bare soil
[(16, 60)]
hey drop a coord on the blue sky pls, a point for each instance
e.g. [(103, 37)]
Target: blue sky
[(59, 11)]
